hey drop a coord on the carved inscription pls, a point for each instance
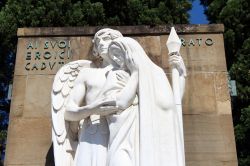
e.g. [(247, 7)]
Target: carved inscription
[(196, 42), (47, 54)]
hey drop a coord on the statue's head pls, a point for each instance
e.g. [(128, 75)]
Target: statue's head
[(125, 49), (117, 54), (102, 40)]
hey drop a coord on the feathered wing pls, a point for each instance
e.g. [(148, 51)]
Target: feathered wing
[(65, 133)]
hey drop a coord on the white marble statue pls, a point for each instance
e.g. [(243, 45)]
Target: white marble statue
[(122, 114), (79, 83)]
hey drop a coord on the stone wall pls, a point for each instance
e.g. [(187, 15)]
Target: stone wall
[(208, 128)]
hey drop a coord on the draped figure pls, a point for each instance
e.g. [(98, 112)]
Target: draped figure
[(133, 112)]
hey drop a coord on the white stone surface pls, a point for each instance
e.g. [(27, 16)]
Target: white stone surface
[(178, 82), (121, 114)]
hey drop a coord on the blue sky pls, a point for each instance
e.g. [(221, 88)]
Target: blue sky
[(197, 15)]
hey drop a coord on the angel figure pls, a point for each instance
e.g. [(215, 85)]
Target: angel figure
[(78, 83), (118, 103), (136, 102)]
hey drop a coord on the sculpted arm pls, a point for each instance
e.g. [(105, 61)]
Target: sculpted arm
[(73, 107), (177, 61), (127, 95), (123, 99), (74, 111)]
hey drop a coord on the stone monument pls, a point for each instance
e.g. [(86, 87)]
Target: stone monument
[(128, 98), (41, 52)]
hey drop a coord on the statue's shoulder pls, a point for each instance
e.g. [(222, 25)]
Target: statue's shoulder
[(70, 72)]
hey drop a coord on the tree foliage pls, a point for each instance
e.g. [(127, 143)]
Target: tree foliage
[(235, 15), (49, 13), (44, 13)]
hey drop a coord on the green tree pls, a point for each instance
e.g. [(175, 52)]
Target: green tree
[(44, 13), (235, 15), (2, 3)]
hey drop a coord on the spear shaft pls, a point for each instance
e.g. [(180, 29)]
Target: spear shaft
[(174, 44)]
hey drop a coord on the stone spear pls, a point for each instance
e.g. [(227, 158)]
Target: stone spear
[(174, 45)]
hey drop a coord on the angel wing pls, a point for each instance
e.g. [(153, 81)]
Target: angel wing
[(65, 133)]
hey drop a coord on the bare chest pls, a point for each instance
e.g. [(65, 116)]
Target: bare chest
[(94, 84)]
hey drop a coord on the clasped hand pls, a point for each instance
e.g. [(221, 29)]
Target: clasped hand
[(176, 61), (105, 102)]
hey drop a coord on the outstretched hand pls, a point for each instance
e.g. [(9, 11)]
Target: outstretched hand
[(101, 106), (176, 61), (102, 102), (107, 110)]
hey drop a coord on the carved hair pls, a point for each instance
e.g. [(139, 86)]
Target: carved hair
[(106, 31)]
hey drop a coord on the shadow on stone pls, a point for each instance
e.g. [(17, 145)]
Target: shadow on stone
[(50, 157)]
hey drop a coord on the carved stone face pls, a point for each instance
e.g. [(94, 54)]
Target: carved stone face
[(117, 55), (102, 44), (102, 40)]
